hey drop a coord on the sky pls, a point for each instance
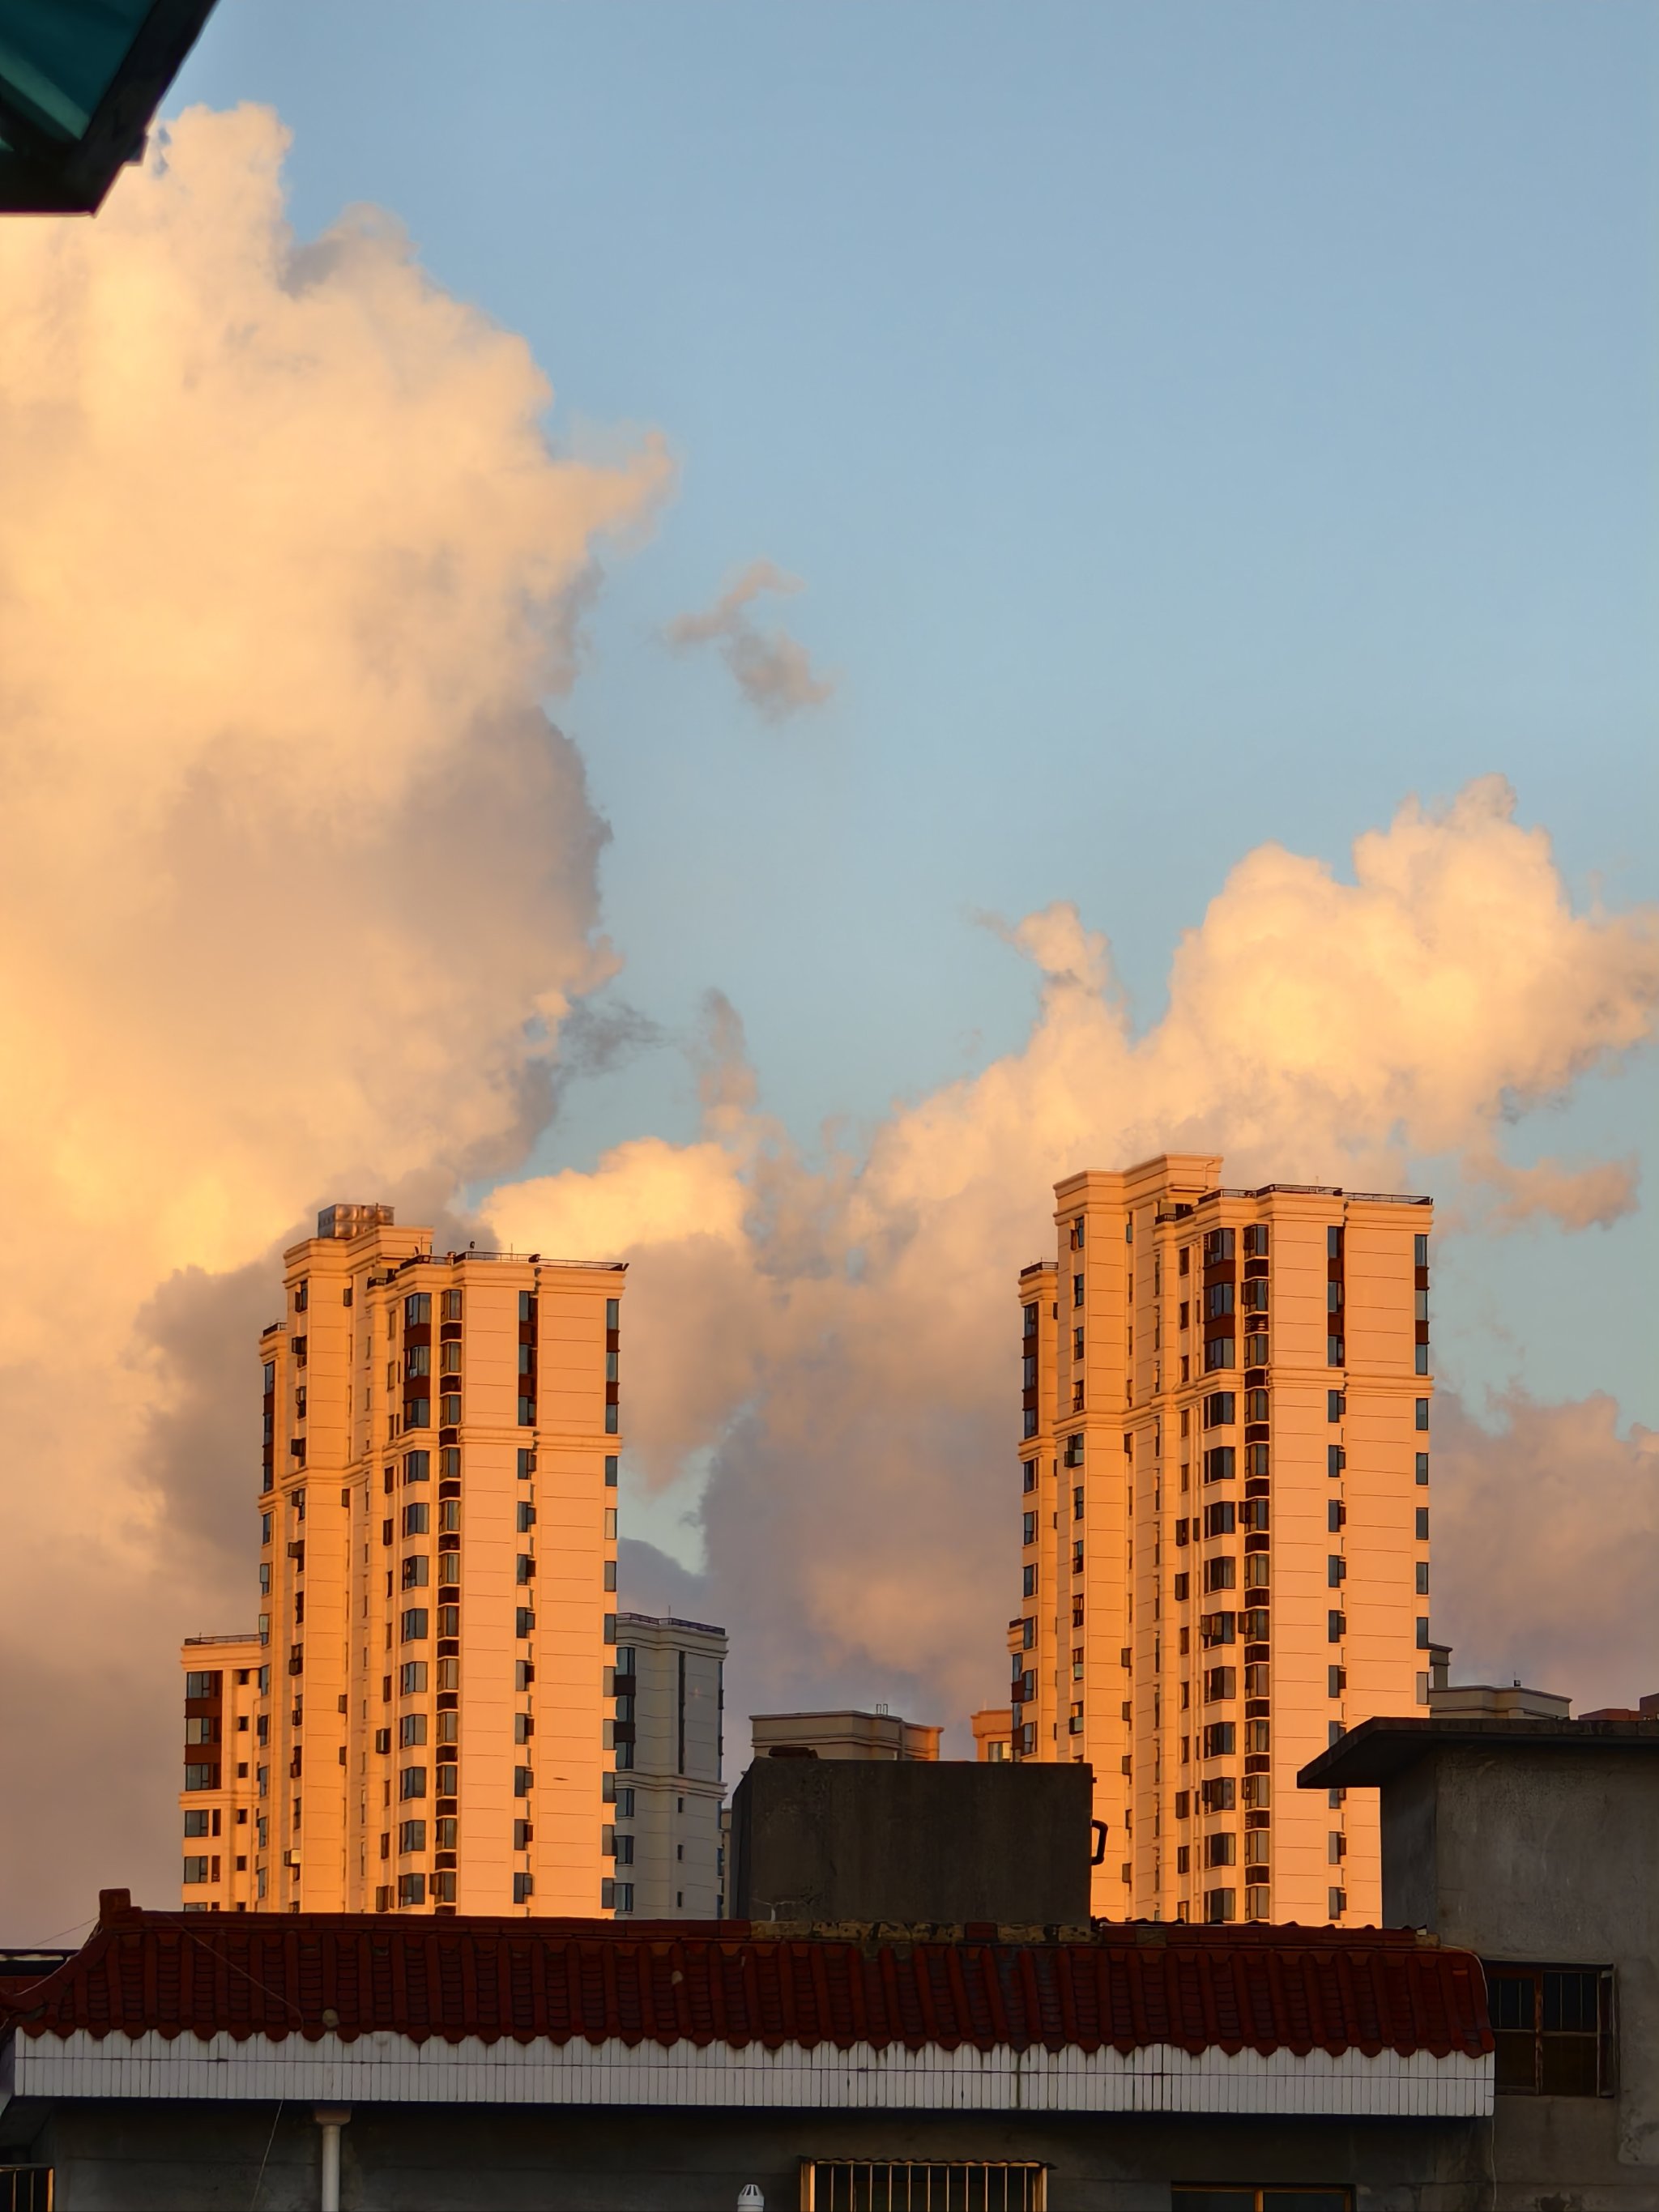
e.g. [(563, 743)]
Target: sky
[(1092, 568)]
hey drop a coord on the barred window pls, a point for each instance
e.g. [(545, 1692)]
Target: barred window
[(1553, 2029), (901, 2185)]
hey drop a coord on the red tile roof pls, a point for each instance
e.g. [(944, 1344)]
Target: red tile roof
[(666, 1982)]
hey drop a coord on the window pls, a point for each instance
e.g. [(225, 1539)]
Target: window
[(1553, 2029), (414, 1625), (412, 1729), (412, 1681), (1255, 1459), (1030, 1326), (1336, 1352), (1221, 1574), (416, 1570), (1073, 1451), (1422, 1412), (1028, 1581), (1336, 1570), (1421, 1254), (1217, 1246), (1336, 1681), (1028, 1371), (1335, 1459), (1219, 1628), (1219, 1742), (1218, 1353), (1076, 1290), (1422, 1528), (1029, 1527), (524, 1623), (415, 1521), (1336, 1627), (418, 1310), (1334, 1406), (202, 1685), (1029, 1422), (1219, 1463), (1075, 1228), (1422, 1634), (1220, 1409), (527, 1515), (201, 1777), (523, 1782), (840, 2185), (1218, 1300), (1220, 1904), (411, 1836), (523, 1888), (196, 1870), (1077, 1502), (451, 1306), (411, 1887), (1336, 1515), (527, 1412), (412, 1783), (201, 1731), (1422, 1470), (1423, 1566), (196, 1824)]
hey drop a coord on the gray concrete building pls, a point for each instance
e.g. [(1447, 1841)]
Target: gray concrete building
[(1534, 1844), (666, 1840)]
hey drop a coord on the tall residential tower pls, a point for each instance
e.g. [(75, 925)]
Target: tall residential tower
[(1223, 1464), (422, 1719)]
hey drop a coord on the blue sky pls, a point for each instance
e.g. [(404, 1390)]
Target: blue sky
[(1192, 425)]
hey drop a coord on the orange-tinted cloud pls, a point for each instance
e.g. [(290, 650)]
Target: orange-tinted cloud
[(1545, 1524), (298, 881), (772, 670), (856, 1350)]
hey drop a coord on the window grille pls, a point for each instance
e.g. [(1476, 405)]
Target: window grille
[(26, 2189), (901, 2185)]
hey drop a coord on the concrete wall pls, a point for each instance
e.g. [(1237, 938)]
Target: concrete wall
[(909, 1840), (1547, 1857), (418, 2159)]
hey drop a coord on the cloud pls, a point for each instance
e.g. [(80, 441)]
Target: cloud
[(298, 880), (773, 670), (1545, 1532), (841, 1337)]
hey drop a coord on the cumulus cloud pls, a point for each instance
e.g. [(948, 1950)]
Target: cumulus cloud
[(298, 881), (854, 1348), (772, 670), (1546, 1528)]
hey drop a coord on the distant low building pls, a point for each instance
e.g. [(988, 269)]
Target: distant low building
[(1472, 1701), (847, 1734), (994, 1728)]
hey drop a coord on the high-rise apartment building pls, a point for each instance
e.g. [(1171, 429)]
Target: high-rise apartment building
[(422, 1719), (665, 1839), (1224, 1467)]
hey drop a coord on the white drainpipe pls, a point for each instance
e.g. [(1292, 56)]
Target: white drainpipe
[(331, 2118)]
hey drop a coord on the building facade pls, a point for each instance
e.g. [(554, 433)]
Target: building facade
[(665, 1839), (845, 1735), (1223, 1467), (422, 1719)]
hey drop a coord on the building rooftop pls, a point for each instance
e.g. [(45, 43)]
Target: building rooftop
[(1126, 1986), (1377, 1750)]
